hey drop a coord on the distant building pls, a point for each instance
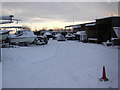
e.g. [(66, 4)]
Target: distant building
[(99, 31), (73, 28)]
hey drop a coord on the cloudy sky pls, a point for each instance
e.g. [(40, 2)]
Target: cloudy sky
[(58, 14)]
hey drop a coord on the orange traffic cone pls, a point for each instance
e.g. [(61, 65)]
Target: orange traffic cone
[(104, 78)]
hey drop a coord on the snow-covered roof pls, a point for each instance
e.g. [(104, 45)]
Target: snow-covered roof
[(57, 35), (48, 33), (60, 37), (93, 24), (81, 33), (116, 28), (108, 17), (76, 26), (70, 35), (23, 33)]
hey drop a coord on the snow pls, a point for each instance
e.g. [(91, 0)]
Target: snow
[(57, 35), (80, 33), (76, 26), (92, 38), (70, 35), (0, 75), (90, 24), (61, 38), (22, 33), (3, 31), (47, 33), (73, 26), (69, 64), (22, 36)]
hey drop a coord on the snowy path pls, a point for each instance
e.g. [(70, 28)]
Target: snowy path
[(68, 64)]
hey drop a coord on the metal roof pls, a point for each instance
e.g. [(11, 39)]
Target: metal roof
[(73, 26)]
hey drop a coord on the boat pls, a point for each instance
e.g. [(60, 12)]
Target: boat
[(60, 37), (22, 36), (70, 36), (3, 35), (48, 34), (41, 40)]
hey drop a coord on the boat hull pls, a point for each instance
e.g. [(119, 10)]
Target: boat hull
[(3, 36), (22, 39)]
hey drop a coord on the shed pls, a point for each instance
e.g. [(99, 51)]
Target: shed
[(104, 27), (81, 36), (90, 29)]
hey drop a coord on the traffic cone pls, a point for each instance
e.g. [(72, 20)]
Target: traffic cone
[(104, 78)]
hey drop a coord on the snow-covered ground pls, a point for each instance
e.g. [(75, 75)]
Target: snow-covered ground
[(69, 64), (0, 75)]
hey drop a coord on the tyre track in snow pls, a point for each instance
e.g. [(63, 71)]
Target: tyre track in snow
[(43, 62), (57, 48)]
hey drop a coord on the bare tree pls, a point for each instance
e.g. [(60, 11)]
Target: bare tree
[(26, 27), (44, 28)]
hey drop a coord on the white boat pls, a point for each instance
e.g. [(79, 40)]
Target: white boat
[(70, 36), (48, 34), (60, 37), (22, 36), (3, 35), (57, 35)]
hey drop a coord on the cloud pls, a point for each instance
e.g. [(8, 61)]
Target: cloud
[(59, 11)]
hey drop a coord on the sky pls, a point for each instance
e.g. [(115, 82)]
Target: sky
[(38, 15)]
